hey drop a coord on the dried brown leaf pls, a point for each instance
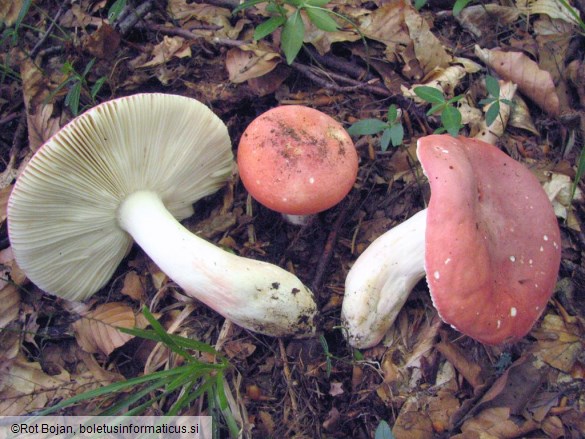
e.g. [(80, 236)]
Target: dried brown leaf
[(533, 82), (470, 370), (170, 47), (429, 51), (9, 11), (478, 18), (25, 387), (133, 286), (560, 343), (250, 62), (412, 421), (495, 423), (97, 330)]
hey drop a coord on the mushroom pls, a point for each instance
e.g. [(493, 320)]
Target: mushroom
[(131, 168), (490, 252), (297, 161)]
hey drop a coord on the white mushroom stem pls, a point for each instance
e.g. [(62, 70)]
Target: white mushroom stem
[(380, 280), (253, 294)]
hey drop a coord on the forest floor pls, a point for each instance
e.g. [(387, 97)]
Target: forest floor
[(425, 379)]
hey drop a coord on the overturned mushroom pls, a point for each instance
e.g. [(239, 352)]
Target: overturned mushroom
[(491, 249), (130, 169)]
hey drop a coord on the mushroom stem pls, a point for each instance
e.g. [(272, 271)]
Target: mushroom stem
[(256, 295), (379, 282)]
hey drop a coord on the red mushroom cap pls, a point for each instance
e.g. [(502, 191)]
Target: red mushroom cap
[(297, 160), (493, 245)]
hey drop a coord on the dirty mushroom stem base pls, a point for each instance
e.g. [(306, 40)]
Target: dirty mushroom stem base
[(242, 290)]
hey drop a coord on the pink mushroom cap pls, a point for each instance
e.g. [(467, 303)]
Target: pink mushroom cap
[(297, 160), (493, 245)]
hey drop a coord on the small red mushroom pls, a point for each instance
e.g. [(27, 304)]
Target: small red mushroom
[(297, 160)]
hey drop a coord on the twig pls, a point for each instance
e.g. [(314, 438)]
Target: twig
[(37, 47), (327, 253), (288, 377), (131, 16)]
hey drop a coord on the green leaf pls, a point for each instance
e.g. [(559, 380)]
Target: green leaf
[(392, 113), (292, 36), (385, 139), (492, 114), (396, 134), (318, 3), (72, 98), (437, 108), (418, 4), (487, 101), (429, 94), (246, 5), (508, 102), (115, 10), (269, 26), (366, 127), (322, 19), (383, 431), (459, 6), (95, 89), (451, 120), (492, 86)]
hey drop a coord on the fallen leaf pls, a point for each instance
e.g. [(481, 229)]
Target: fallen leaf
[(97, 330), (533, 82), (336, 388), (250, 62), (429, 51), (559, 343), (170, 47), (470, 370), (412, 421), (495, 423), (133, 286), (9, 11), (479, 19), (552, 8)]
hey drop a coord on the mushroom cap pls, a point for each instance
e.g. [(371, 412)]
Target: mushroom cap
[(62, 213), (492, 239), (297, 160)]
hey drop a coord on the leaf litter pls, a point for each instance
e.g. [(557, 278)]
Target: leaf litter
[(425, 379)]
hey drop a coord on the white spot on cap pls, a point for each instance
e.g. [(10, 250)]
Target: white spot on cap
[(541, 248), (513, 258), (284, 199), (311, 180), (513, 312), (436, 275), (545, 237), (447, 261), (530, 261), (555, 244), (498, 324)]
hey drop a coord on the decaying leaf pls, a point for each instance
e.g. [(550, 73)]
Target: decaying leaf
[(445, 80), (133, 286), (170, 47), (495, 423), (480, 18), (250, 61), (533, 82), (24, 387), (97, 330), (9, 11), (470, 370), (552, 8), (413, 422), (560, 343), (559, 188)]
